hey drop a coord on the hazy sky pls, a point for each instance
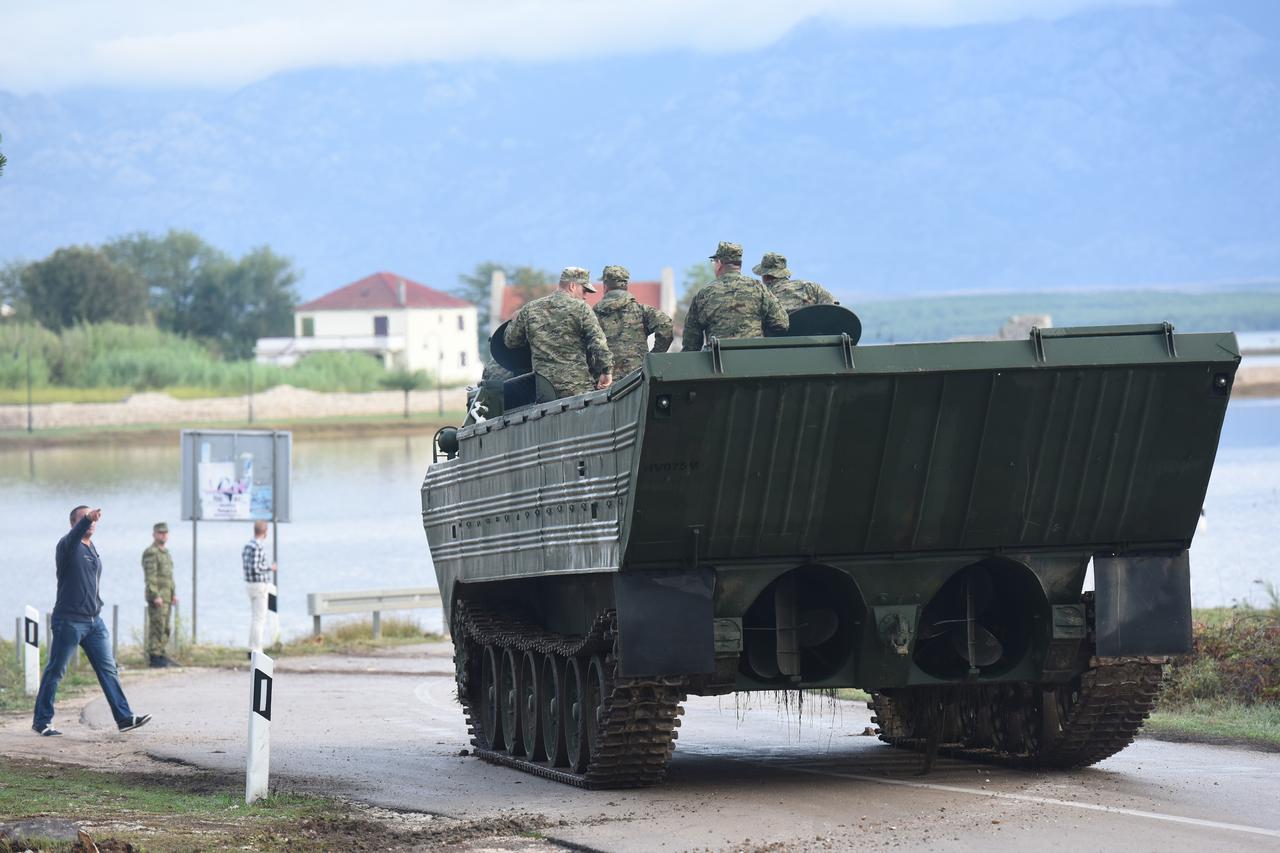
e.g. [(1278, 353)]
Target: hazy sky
[(59, 44)]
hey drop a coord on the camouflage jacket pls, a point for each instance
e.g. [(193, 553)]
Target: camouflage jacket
[(732, 306), (494, 372), (793, 294), (568, 346), (157, 568), (627, 325)]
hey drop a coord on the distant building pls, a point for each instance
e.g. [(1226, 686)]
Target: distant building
[(400, 322), (505, 300)]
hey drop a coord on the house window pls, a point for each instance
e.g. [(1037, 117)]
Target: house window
[(462, 323), (462, 359), (380, 327), (308, 327)]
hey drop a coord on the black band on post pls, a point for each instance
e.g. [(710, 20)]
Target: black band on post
[(262, 694)]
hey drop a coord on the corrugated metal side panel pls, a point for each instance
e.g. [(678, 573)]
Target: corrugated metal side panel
[(1086, 456), (538, 494)]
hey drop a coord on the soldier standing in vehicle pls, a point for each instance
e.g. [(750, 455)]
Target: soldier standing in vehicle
[(732, 306), (627, 324), (157, 568), (791, 293), (566, 341)]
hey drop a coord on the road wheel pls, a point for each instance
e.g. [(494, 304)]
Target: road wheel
[(509, 696), (529, 705), (575, 714), (490, 718), (596, 693), (552, 717)]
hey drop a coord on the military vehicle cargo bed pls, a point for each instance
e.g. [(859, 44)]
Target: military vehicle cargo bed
[(1097, 439)]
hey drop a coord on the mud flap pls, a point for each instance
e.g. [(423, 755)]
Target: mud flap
[(665, 622), (1143, 604)]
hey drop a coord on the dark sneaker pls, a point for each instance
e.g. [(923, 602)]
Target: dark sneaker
[(135, 722), (46, 731)]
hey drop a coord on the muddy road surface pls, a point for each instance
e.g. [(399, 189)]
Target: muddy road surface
[(749, 773)]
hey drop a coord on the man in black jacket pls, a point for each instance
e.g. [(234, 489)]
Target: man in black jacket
[(76, 622)]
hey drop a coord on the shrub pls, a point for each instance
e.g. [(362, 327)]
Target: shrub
[(1238, 659), (115, 355)]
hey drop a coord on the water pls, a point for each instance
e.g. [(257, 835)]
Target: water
[(358, 525)]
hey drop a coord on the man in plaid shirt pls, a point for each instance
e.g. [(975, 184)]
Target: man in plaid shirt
[(257, 578)]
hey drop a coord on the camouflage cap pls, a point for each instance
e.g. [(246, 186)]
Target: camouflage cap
[(772, 265), (577, 275), (160, 527), (616, 276), (730, 253)]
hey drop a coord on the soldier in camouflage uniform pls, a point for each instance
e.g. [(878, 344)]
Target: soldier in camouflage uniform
[(566, 341), (627, 324), (732, 306), (791, 293), (157, 567)]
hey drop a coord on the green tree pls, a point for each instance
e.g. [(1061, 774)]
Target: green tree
[(11, 289), (80, 284), (406, 381), (199, 291), (235, 303), (530, 281), (696, 277), (3, 159), (172, 267)]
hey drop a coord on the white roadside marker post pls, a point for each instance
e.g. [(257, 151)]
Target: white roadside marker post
[(31, 649), (272, 629), (259, 757)]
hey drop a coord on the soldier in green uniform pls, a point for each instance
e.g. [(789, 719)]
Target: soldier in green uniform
[(627, 324), (791, 293), (157, 566), (566, 341), (732, 306)]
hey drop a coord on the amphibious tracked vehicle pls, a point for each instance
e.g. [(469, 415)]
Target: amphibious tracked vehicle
[(804, 513)]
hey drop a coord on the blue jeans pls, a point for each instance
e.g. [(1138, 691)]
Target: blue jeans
[(92, 637)]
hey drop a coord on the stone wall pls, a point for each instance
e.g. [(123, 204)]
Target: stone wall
[(281, 403)]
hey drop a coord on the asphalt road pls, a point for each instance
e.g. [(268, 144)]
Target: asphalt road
[(748, 773)]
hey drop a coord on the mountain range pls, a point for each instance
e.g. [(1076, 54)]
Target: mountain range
[(1114, 148)]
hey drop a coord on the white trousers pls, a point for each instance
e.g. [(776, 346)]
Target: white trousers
[(257, 613)]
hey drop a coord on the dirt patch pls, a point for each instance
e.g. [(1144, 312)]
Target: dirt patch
[(449, 833)]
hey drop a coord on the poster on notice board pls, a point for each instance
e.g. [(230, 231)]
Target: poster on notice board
[(236, 475)]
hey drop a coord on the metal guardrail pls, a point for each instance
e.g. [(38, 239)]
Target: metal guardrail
[(370, 601)]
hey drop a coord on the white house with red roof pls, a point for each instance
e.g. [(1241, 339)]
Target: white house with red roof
[(402, 323)]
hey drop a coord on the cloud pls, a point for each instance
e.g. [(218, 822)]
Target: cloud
[(60, 44)]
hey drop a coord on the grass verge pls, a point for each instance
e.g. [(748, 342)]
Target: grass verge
[(191, 811), (343, 638), (1228, 689), (1218, 721)]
